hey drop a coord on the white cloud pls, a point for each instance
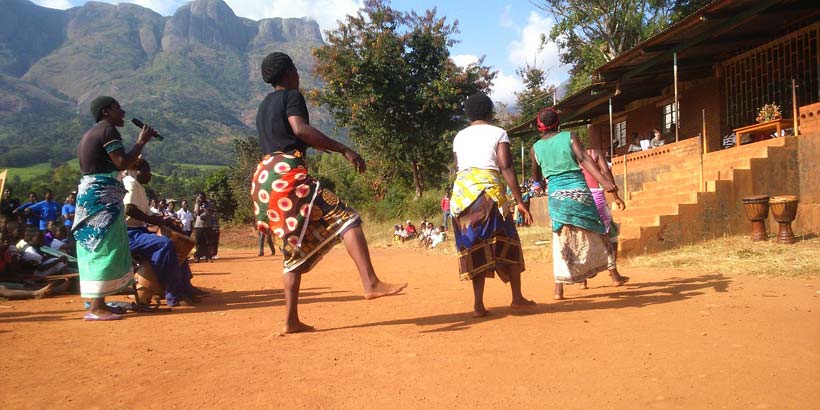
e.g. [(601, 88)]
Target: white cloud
[(325, 12), (527, 49), (463, 60), (504, 88), (54, 4)]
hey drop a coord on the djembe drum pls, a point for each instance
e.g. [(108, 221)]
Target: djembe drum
[(148, 284), (182, 243), (757, 210), (784, 210)]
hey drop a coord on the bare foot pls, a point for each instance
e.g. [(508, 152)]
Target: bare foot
[(481, 313), (620, 281), (383, 289), (584, 285), (298, 327), (45, 290), (558, 297), (522, 304)]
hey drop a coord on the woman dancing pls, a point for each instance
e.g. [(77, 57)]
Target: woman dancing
[(580, 247), (486, 238), (103, 256), (309, 218)]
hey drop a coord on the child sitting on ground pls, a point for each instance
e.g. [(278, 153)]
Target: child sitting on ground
[(399, 234), (438, 236), (40, 264)]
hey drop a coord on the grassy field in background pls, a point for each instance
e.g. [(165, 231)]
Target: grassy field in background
[(30, 172), (203, 167)]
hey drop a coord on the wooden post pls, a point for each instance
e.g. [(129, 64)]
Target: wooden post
[(611, 133), (794, 108), (702, 148), (677, 108)]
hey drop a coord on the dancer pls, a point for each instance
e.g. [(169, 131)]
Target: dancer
[(598, 194), (486, 238), (580, 248), (309, 218), (103, 257)]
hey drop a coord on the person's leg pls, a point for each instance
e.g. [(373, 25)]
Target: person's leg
[(518, 299), (356, 245), (270, 245), (15, 294), (478, 296), (291, 282), (617, 278), (261, 244), (163, 256), (559, 291)]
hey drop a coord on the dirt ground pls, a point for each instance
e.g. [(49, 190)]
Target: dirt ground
[(668, 340)]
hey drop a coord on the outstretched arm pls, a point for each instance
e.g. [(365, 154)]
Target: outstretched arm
[(535, 168)]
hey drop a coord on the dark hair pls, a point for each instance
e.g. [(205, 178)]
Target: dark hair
[(479, 107), (548, 117), (274, 66)]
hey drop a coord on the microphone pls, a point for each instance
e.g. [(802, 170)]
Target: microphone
[(139, 123)]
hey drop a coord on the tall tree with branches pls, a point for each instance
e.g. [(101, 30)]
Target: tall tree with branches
[(591, 33), (390, 80)]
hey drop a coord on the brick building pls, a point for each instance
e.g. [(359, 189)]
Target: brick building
[(731, 58)]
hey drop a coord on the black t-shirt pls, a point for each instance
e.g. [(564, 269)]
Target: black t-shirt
[(94, 148), (7, 206), (275, 133)]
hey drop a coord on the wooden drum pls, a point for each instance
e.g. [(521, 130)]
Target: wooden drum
[(784, 210), (757, 210), (182, 243), (148, 285)]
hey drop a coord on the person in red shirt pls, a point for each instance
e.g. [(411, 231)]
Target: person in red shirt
[(445, 209)]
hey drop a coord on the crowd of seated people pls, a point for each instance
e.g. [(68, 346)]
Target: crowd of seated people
[(426, 235)]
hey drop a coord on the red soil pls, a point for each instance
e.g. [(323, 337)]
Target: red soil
[(667, 340)]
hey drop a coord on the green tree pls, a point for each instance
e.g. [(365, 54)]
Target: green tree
[(536, 94), (246, 155), (389, 78), (591, 33)]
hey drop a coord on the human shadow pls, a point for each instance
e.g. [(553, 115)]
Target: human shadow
[(218, 301), (42, 316), (630, 296)]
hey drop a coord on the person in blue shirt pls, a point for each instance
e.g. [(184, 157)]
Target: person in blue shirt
[(48, 210), (68, 210), (26, 218)]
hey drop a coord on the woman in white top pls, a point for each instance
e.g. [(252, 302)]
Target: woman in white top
[(486, 238)]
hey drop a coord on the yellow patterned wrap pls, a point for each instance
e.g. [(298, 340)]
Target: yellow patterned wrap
[(471, 182)]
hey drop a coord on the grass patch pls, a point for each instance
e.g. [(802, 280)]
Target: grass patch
[(201, 167), (30, 172), (739, 255)]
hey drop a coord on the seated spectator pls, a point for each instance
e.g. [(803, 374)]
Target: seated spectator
[(156, 249), (35, 261), (424, 234), (438, 236), (657, 139), (60, 241), (410, 229), (399, 234), (635, 146)]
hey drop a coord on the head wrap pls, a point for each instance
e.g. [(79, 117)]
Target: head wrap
[(546, 127), (100, 103), (274, 66)]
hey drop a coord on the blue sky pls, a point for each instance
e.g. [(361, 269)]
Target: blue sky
[(505, 32)]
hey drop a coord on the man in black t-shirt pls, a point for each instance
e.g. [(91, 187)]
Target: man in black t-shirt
[(8, 204)]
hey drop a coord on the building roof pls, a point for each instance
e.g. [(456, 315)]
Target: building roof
[(714, 33)]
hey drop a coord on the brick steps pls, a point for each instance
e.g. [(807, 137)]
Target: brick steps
[(670, 209)]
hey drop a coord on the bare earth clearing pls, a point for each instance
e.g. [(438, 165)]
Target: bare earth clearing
[(668, 340)]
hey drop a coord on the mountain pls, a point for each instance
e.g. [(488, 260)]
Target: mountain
[(194, 75)]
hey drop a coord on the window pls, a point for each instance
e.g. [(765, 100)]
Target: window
[(670, 114), (620, 133)]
